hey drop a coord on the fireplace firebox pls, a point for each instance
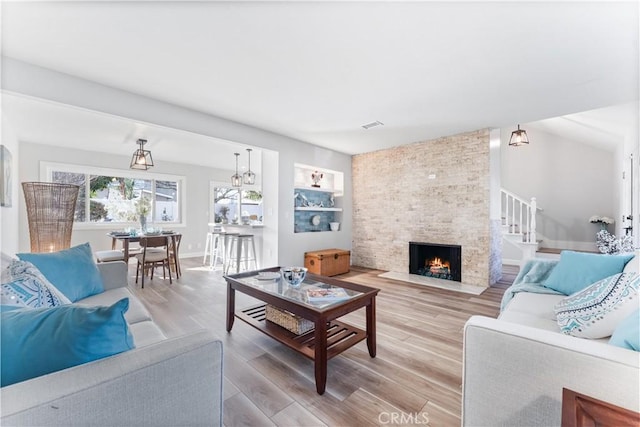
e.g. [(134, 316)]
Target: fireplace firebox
[(436, 260)]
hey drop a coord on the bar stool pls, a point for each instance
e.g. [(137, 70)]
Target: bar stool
[(226, 255), (242, 249), (215, 249), (208, 247)]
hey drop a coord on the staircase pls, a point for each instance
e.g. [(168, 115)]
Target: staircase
[(519, 222)]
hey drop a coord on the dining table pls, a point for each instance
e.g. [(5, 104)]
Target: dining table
[(126, 238)]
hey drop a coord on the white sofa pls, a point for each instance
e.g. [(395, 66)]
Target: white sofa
[(516, 366), (161, 382)]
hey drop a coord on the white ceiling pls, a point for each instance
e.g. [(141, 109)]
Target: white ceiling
[(49, 123), (317, 71), (604, 128)]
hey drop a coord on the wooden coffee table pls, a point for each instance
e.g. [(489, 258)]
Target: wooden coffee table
[(329, 337)]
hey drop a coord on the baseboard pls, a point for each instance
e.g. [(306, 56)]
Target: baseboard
[(507, 261), (192, 254)]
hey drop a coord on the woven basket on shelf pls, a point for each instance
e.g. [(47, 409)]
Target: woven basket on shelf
[(289, 321)]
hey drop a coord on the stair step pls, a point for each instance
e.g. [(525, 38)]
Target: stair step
[(549, 250), (557, 251)]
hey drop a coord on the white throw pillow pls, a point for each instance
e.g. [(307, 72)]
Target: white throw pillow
[(23, 285), (595, 311)]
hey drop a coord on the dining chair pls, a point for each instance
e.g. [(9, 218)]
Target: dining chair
[(152, 257)]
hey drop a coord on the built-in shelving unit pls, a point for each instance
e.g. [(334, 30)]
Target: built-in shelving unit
[(317, 204)]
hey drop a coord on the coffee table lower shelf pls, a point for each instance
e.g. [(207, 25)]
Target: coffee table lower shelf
[(340, 336)]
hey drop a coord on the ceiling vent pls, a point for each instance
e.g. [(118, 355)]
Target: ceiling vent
[(373, 124)]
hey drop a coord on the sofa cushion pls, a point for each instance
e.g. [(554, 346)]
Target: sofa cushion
[(577, 270), (627, 333), (23, 285), (595, 311), (528, 319), (73, 271), (39, 341), (136, 313), (146, 333), (538, 305)]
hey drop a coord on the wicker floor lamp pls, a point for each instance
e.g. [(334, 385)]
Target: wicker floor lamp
[(50, 210)]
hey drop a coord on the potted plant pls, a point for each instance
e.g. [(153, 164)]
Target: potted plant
[(603, 221), (143, 207), (223, 212)]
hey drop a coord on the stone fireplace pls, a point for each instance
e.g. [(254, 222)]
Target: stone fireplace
[(436, 260), (430, 191)]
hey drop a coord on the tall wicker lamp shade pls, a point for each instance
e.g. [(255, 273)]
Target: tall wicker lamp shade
[(50, 210)]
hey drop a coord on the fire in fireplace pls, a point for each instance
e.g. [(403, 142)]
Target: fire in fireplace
[(436, 260)]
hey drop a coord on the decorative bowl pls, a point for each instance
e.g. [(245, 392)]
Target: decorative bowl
[(293, 275)]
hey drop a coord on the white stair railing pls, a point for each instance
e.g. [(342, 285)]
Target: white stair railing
[(520, 215)]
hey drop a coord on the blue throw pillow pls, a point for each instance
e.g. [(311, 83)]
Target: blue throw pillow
[(627, 333), (38, 341), (73, 271), (577, 270)]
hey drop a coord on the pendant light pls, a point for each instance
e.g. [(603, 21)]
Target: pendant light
[(141, 158), (249, 177), (236, 178), (518, 137)]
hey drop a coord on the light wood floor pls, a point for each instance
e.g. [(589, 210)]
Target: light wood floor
[(417, 372)]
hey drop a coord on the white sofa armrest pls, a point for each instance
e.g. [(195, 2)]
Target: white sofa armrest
[(513, 375), (174, 382), (114, 274)]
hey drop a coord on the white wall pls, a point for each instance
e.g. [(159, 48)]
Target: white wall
[(9, 214), (624, 176), (571, 181), (22, 78), (197, 192)]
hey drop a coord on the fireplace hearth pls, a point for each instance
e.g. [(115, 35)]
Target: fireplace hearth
[(436, 260)]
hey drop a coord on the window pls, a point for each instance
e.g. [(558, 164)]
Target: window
[(115, 196), (232, 204)]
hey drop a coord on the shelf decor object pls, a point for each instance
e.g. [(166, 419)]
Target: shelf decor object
[(50, 212), (316, 177), (141, 158), (249, 177), (236, 178)]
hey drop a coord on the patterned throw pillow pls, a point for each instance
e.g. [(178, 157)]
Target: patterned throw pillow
[(595, 311), (23, 285)]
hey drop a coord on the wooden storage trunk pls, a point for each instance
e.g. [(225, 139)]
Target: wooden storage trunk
[(328, 262)]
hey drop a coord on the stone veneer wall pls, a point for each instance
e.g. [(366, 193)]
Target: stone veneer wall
[(395, 202)]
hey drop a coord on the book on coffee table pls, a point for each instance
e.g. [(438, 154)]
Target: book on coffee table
[(326, 294)]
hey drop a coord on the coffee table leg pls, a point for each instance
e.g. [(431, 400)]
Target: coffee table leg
[(231, 306), (320, 360), (371, 327)]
